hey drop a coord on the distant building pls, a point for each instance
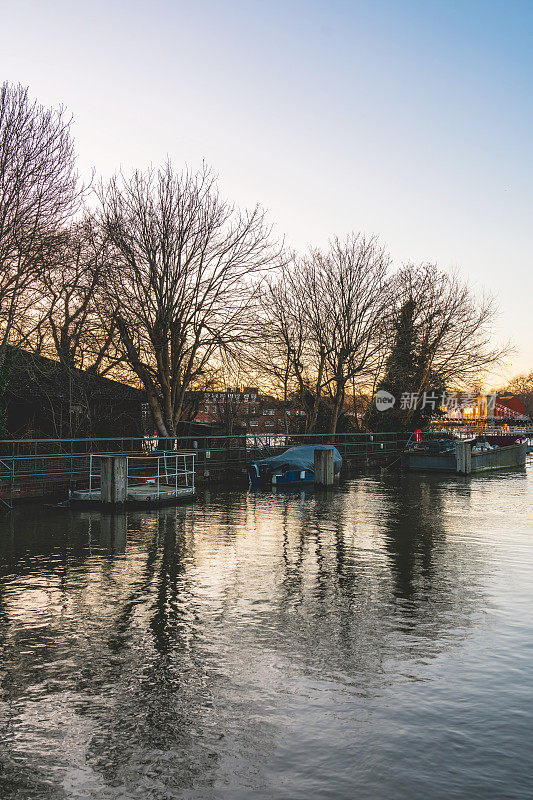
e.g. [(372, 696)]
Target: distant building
[(472, 408), (509, 407), (42, 398), (245, 409)]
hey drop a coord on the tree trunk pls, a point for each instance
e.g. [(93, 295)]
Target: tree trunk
[(339, 400), (318, 392)]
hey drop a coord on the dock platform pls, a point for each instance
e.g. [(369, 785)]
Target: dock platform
[(144, 493), (145, 479)]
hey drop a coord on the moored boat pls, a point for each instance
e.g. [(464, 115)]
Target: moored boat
[(465, 456), (295, 467)]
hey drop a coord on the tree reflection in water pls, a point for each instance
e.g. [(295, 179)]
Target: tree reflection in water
[(146, 655)]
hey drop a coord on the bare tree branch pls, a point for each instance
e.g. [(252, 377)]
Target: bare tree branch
[(181, 274)]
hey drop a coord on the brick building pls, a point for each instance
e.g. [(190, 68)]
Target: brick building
[(246, 409)]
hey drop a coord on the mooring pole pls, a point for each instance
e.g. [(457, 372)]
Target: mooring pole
[(463, 457), (114, 479), (324, 466)]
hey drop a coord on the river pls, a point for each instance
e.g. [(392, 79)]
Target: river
[(372, 641)]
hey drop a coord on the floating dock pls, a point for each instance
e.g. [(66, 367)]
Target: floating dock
[(148, 479), (144, 493)]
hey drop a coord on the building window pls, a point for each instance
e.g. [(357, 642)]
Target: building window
[(269, 423), (252, 409), (253, 423)]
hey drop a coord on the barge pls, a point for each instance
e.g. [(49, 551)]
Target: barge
[(464, 456)]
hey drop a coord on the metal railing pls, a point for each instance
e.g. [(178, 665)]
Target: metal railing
[(71, 456), (166, 470), (68, 461), (475, 430)]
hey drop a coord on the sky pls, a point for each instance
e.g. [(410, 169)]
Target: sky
[(409, 120)]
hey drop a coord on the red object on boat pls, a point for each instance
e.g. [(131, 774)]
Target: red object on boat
[(418, 435)]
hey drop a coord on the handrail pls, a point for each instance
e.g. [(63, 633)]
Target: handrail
[(55, 460), (161, 477)]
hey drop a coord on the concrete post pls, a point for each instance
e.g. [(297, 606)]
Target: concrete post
[(459, 456), (114, 479), (324, 467), (463, 457)]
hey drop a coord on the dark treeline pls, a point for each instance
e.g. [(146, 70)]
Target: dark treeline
[(156, 280)]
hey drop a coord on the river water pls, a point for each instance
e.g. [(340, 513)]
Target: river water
[(374, 641)]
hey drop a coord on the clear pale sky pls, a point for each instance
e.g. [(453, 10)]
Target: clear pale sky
[(410, 120)]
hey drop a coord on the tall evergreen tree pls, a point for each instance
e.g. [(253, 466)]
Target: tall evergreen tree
[(406, 370)]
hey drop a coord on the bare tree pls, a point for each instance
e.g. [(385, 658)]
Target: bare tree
[(326, 316), (181, 276), (281, 333), (70, 326), (452, 328), (348, 297), (522, 387), (37, 195)]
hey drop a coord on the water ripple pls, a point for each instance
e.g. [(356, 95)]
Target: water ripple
[(369, 642)]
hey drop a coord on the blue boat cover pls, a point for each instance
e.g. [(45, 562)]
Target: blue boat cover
[(300, 458)]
